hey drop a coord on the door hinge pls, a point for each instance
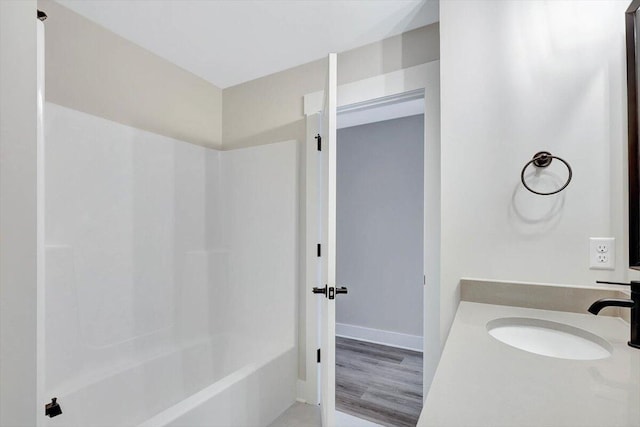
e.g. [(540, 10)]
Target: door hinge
[(318, 355), (319, 249), (319, 139)]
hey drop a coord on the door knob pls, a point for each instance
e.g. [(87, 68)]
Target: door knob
[(320, 290), (329, 292)]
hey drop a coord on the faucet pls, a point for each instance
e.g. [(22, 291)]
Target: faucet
[(633, 303)]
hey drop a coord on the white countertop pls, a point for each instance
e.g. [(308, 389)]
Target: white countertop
[(481, 381)]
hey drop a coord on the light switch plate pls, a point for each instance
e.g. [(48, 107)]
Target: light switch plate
[(602, 253)]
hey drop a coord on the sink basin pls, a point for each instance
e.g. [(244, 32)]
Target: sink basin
[(549, 338)]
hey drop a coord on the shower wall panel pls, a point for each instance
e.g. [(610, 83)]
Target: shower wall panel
[(125, 241), (259, 189), (161, 256)]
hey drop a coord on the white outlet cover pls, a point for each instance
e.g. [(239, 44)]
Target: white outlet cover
[(602, 253)]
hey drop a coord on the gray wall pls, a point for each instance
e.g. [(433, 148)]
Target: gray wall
[(18, 287), (380, 225)]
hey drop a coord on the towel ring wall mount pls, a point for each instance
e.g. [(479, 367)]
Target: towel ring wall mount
[(542, 159)]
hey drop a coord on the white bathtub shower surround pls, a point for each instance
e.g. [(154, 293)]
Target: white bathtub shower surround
[(253, 395), (260, 222), (169, 267), (192, 386)]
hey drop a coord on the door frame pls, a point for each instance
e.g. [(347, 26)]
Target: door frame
[(424, 77)]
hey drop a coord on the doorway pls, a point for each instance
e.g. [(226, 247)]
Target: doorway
[(380, 256), (424, 81)]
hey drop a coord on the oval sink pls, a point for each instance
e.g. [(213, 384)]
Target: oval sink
[(549, 338)]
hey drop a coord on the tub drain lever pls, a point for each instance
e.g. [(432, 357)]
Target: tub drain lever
[(52, 409)]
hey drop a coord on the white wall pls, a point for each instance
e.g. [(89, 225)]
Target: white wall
[(18, 290), (380, 225), (519, 77)]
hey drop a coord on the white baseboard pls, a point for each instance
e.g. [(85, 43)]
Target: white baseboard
[(378, 336), (306, 391), (301, 391)]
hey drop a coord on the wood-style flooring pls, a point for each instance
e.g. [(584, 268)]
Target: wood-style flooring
[(379, 383)]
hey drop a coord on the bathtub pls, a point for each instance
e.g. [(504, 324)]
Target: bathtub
[(252, 396), (217, 382)]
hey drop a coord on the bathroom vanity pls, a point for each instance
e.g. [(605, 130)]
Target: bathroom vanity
[(482, 381)]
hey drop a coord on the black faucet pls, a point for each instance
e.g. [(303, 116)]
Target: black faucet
[(633, 303)]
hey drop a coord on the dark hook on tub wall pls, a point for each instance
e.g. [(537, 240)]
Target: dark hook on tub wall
[(542, 159), (53, 409)]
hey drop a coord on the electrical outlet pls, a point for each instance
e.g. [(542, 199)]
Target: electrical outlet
[(602, 252)]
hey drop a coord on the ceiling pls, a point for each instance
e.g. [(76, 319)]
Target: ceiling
[(228, 42)]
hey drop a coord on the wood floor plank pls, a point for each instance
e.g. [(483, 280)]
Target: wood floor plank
[(376, 413), (374, 353), (379, 383), (350, 389), (413, 360), (400, 402)]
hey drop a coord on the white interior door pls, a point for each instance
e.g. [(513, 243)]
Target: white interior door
[(425, 77), (327, 181)]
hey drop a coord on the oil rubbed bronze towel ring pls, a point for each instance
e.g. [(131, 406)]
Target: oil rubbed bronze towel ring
[(542, 159)]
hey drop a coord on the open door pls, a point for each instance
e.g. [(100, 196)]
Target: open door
[(327, 289), (328, 219)]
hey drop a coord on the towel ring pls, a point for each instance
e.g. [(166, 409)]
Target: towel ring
[(542, 159)]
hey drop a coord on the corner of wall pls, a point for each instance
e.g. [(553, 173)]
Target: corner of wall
[(18, 195), (85, 71)]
